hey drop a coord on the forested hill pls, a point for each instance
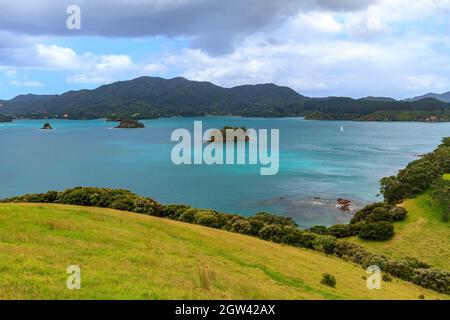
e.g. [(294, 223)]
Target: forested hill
[(428, 109), (150, 97)]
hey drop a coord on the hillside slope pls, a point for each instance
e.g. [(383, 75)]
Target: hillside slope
[(125, 255), (422, 235)]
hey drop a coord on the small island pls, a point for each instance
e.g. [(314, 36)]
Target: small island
[(221, 135), (47, 126), (130, 124)]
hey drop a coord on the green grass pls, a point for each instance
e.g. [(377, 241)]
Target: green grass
[(447, 176), (422, 235), (129, 256)]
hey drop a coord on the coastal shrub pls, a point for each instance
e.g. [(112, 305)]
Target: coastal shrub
[(269, 218), (305, 239), (350, 251), (343, 230), (272, 232), (362, 214), (412, 180), (438, 280), (188, 215), (174, 211), (241, 226), (207, 218), (325, 244), (404, 268), (397, 214), (440, 193), (386, 277), (318, 229), (328, 280), (376, 231), (374, 260)]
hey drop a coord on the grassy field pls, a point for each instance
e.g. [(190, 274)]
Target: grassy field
[(422, 235), (125, 255)]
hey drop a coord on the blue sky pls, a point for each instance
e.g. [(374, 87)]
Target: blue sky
[(397, 48)]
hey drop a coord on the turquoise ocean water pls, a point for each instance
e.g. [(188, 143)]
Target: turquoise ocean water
[(318, 163)]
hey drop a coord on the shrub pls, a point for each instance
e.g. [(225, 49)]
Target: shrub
[(272, 232), (386, 277), (404, 268), (397, 214), (207, 218), (339, 230), (241, 226), (376, 231), (361, 215), (268, 218), (305, 239), (328, 280), (318, 229), (325, 244), (412, 180), (374, 260), (437, 280)]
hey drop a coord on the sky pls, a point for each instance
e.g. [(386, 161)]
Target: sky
[(355, 48)]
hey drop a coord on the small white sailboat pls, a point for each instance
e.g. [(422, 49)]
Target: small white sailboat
[(342, 128)]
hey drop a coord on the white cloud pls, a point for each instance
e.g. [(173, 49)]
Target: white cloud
[(426, 82), (27, 83), (56, 57)]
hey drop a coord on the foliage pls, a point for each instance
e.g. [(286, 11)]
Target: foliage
[(263, 225), (328, 280), (380, 231)]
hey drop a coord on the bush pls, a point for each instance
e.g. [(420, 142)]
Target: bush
[(318, 229), (343, 230), (412, 180), (268, 218), (361, 215), (207, 218), (433, 279), (325, 244), (374, 260), (386, 277), (404, 268), (272, 232), (328, 280), (376, 231), (397, 214)]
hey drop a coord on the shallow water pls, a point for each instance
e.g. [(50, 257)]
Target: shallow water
[(317, 160)]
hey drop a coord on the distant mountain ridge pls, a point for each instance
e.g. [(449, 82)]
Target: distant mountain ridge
[(153, 97), (444, 97)]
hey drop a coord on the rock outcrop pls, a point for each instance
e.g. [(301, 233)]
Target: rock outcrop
[(47, 126)]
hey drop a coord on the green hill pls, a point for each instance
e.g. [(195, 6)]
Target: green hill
[(125, 255), (153, 97), (422, 235)]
